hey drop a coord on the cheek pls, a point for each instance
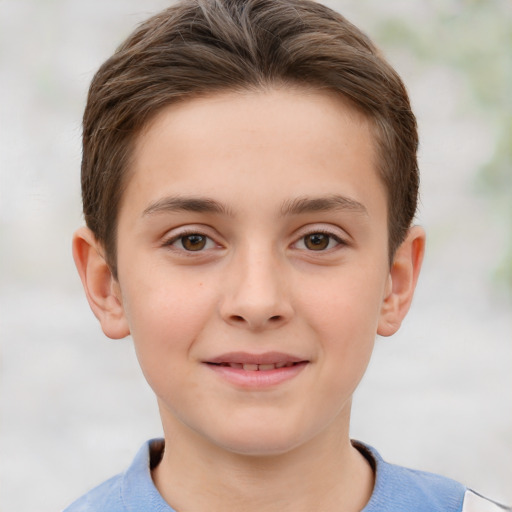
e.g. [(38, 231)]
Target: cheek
[(347, 304), (165, 320), (343, 314)]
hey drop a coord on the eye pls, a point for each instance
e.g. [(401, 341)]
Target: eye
[(192, 242), (318, 241)]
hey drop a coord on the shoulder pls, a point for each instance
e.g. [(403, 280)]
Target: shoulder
[(130, 491), (400, 489), (105, 497)]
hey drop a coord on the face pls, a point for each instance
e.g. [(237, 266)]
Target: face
[(252, 265)]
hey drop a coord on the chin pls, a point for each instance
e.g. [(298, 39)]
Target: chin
[(260, 442), (270, 449)]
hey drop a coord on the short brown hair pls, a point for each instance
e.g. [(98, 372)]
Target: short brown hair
[(199, 47)]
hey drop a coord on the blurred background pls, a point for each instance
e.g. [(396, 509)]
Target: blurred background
[(74, 407)]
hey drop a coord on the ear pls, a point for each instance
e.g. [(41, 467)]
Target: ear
[(101, 288), (402, 280)]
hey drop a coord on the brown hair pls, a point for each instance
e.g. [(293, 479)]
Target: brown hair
[(200, 47)]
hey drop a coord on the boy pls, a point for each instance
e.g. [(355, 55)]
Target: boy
[(249, 181)]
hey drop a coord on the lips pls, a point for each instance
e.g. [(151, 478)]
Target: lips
[(256, 362), (256, 371)]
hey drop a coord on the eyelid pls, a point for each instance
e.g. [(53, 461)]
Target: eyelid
[(175, 234), (338, 234)]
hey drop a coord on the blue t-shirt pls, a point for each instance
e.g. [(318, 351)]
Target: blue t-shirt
[(397, 489)]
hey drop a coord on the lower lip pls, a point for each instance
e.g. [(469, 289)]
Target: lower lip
[(257, 379)]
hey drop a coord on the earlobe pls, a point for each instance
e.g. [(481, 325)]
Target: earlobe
[(403, 277), (101, 289)]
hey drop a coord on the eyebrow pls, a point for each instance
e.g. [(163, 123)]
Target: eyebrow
[(186, 204), (322, 204), (296, 206)]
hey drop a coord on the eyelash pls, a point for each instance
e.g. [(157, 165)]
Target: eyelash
[(331, 236), (208, 240), (182, 236)]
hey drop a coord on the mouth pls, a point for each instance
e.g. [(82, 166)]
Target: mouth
[(256, 362), (257, 371), (252, 367)]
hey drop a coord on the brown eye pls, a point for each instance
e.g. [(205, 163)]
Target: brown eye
[(317, 241), (193, 242)]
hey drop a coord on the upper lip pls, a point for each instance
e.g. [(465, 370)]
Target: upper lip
[(249, 358)]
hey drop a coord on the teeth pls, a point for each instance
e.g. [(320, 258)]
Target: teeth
[(250, 367)]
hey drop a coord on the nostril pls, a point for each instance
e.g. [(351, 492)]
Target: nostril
[(241, 320)]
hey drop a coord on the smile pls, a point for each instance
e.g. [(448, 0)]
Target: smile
[(256, 371), (250, 367)]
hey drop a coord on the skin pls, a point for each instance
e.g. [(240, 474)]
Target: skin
[(277, 193)]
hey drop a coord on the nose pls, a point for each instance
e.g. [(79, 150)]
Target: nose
[(256, 294)]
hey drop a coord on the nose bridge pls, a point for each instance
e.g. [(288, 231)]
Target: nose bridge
[(256, 296)]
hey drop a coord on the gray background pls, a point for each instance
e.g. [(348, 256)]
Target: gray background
[(74, 407)]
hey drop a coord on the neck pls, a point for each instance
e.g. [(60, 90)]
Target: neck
[(326, 473)]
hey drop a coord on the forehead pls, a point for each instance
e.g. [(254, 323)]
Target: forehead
[(290, 108), (298, 141)]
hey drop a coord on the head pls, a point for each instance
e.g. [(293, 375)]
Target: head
[(203, 47), (249, 180)]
